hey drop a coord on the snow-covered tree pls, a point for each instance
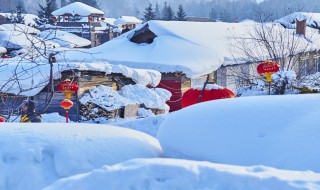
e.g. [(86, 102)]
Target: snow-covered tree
[(20, 10), (63, 3), (157, 12), (167, 12), (181, 14), (149, 13), (45, 11)]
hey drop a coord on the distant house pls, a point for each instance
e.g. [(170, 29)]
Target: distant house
[(289, 21), (198, 19), (84, 21), (127, 23)]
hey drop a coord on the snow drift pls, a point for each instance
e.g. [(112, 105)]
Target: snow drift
[(276, 131), (146, 174), (35, 155)]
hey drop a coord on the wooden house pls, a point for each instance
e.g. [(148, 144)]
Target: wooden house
[(85, 79), (184, 52), (84, 21), (127, 23)]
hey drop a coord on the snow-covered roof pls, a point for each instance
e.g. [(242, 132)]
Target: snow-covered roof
[(127, 20), (29, 19), (20, 28), (33, 77), (77, 8), (64, 39), (108, 21), (18, 40), (193, 48), (3, 49), (313, 19)]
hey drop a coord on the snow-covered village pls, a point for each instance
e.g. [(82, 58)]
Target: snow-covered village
[(159, 95)]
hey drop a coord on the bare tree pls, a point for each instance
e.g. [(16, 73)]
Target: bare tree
[(270, 41)]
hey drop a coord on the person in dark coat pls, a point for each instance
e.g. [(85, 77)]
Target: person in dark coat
[(29, 116)]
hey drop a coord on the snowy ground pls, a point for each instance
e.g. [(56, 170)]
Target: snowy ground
[(251, 143)]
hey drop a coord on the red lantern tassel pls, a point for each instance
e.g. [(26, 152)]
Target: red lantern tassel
[(67, 116)]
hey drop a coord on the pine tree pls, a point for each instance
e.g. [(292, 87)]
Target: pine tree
[(167, 12), (92, 3), (149, 13), (181, 15), (63, 3), (170, 13), (20, 10), (157, 12), (45, 11)]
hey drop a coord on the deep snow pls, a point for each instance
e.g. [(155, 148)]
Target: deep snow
[(35, 155), (276, 131)]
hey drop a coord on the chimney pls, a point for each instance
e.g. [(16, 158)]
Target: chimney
[(301, 27)]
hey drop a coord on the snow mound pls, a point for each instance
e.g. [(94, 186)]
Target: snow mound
[(106, 98), (149, 97), (145, 174), (21, 28), (64, 39), (36, 155), (208, 87), (276, 131)]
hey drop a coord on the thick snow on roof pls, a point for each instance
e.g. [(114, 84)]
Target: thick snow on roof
[(64, 39), (52, 151), (193, 48), (161, 174), (28, 18), (18, 40), (127, 20), (77, 8), (313, 19), (108, 21), (28, 79), (3, 49), (21, 28), (275, 131)]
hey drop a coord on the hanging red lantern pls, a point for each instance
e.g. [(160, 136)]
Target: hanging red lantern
[(2, 119), (66, 104), (68, 87), (212, 92), (103, 19), (90, 18), (66, 18), (268, 68), (20, 53), (53, 18)]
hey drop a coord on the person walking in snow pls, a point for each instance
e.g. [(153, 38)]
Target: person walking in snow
[(29, 116)]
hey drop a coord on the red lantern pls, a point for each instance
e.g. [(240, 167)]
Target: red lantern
[(90, 18), (68, 87), (2, 119), (53, 18), (20, 53), (191, 96), (267, 68), (103, 19), (66, 18), (66, 104)]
